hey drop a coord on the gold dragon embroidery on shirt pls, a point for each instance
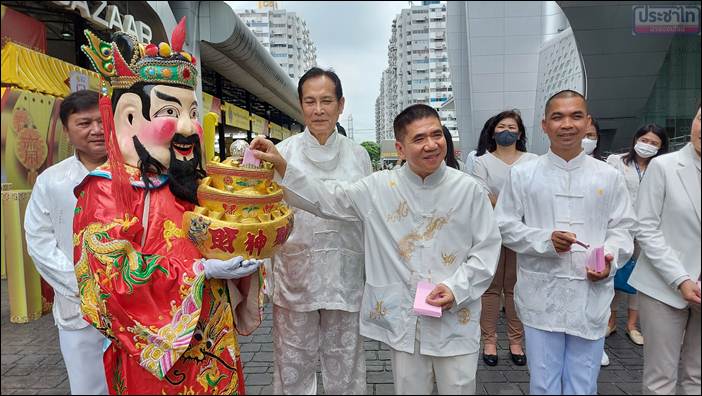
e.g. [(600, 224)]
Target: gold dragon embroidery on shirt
[(379, 311), (448, 259), (401, 212), (463, 316), (407, 244)]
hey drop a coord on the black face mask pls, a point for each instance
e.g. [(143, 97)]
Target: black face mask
[(183, 175)]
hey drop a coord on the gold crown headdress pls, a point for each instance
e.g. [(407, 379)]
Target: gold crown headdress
[(162, 64)]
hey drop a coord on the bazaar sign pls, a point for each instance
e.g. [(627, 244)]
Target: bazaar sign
[(109, 17)]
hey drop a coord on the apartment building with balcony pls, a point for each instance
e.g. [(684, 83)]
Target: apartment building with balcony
[(285, 35), (418, 67)]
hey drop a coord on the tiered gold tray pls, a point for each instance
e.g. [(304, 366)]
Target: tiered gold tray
[(241, 212)]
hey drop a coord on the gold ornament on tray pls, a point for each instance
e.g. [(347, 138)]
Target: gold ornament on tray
[(241, 211)]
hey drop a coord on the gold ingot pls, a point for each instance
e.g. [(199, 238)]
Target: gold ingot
[(215, 215)]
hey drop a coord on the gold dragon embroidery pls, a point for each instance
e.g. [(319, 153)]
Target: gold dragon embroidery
[(401, 212), (379, 312), (448, 259), (407, 244), (463, 316)]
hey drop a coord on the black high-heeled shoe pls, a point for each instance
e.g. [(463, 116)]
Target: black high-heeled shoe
[(519, 360), (490, 360)]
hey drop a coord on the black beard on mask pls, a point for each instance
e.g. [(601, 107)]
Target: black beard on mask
[(183, 176)]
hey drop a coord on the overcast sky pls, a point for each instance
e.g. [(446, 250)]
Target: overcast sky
[(352, 38)]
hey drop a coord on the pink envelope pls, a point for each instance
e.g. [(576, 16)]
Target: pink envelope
[(249, 159), (595, 259), (420, 305)]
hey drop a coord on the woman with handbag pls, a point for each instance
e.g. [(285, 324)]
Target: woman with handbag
[(648, 142)]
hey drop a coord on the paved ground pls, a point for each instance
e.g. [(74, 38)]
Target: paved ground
[(32, 364)]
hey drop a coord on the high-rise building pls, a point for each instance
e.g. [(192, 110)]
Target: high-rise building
[(495, 49), (418, 70), (285, 35)]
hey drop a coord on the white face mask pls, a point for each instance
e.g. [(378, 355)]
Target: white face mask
[(589, 145), (645, 150)]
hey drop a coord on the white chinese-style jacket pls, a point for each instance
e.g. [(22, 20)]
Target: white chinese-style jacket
[(48, 226), (584, 196), (321, 264), (439, 229)]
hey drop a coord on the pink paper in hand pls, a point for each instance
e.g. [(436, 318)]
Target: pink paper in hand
[(250, 159), (420, 305), (596, 260)]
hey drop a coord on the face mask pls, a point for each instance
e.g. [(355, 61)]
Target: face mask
[(645, 150), (506, 138), (589, 145)]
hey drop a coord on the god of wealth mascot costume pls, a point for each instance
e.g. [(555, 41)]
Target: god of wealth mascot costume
[(141, 278)]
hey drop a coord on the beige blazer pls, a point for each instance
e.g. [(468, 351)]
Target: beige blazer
[(668, 209)]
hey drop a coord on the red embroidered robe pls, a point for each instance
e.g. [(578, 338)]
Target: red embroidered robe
[(171, 330)]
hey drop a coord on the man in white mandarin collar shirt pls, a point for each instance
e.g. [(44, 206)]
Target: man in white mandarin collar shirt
[(546, 205), (48, 226)]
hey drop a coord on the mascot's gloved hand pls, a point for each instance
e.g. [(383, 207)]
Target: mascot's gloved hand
[(234, 268)]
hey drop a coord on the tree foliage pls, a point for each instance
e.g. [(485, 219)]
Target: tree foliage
[(373, 151)]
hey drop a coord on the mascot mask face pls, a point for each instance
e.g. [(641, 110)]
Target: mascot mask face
[(155, 112), (161, 119)]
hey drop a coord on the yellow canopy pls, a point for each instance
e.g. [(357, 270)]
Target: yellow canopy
[(34, 71)]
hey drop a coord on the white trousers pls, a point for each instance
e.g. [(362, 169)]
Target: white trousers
[(414, 373), (333, 337), (677, 344), (82, 354), (562, 364)]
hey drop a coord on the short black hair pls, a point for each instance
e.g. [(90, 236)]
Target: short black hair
[(514, 114), (409, 115), (77, 102), (566, 93), (319, 72)]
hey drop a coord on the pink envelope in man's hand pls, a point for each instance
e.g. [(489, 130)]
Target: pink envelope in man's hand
[(420, 305), (250, 159), (596, 259)]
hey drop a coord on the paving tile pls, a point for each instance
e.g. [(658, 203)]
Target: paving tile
[(383, 377), (250, 347), (253, 389), (630, 388), (384, 389), (249, 369), (259, 379), (608, 389), (490, 376), (502, 389), (263, 357)]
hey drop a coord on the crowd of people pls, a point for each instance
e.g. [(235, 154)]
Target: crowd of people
[(548, 237)]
